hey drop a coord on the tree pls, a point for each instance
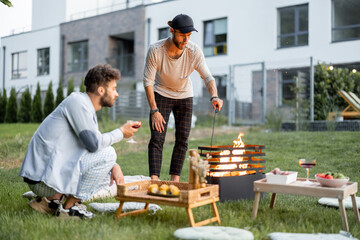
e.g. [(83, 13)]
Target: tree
[(82, 86), (70, 86), (11, 108), (24, 114), (36, 110), (327, 83), (6, 2), (3, 102), (49, 101), (59, 94)]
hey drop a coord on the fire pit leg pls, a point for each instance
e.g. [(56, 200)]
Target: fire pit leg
[(355, 207), (273, 200), (256, 205)]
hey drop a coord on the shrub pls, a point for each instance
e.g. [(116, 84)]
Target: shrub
[(3, 102), (70, 86), (11, 108), (327, 83), (59, 94), (274, 120), (49, 101), (24, 114), (82, 86), (36, 110)]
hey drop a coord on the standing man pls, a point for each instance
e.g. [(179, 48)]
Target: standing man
[(168, 87), (69, 156)]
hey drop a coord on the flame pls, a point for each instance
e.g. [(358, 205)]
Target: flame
[(238, 143)]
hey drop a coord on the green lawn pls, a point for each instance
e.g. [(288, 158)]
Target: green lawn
[(334, 151)]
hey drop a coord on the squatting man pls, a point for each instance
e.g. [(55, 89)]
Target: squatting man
[(69, 156)]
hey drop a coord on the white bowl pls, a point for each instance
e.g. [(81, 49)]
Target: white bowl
[(281, 179), (335, 183)]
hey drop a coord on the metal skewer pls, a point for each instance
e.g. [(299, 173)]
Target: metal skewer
[(212, 135)]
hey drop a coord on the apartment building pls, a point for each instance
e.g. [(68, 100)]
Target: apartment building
[(256, 50)]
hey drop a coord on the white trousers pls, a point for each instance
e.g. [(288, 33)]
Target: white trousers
[(95, 174)]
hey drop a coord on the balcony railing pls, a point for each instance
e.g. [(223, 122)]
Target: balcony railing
[(121, 5)]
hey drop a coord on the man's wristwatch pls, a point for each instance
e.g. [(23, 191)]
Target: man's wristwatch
[(213, 98), (152, 111)]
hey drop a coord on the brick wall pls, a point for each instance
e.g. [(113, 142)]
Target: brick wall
[(98, 31)]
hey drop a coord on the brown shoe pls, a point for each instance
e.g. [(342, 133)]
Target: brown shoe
[(43, 205)]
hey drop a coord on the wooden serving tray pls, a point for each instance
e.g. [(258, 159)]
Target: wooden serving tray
[(188, 198)]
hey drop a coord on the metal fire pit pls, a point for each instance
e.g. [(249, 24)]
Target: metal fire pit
[(236, 183)]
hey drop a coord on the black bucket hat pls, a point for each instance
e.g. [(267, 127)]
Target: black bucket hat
[(183, 23)]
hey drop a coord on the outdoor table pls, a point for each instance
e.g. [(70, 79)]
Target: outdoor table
[(314, 190), (188, 198)]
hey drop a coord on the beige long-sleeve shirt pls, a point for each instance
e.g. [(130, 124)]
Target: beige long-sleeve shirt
[(171, 77)]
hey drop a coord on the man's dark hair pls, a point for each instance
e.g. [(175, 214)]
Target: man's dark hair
[(100, 75)]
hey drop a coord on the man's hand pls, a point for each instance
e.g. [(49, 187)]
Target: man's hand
[(117, 175), (129, 128), (217, 104), (158, 122)]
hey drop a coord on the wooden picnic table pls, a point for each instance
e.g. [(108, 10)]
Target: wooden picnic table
[(188, 198), (314, 190)]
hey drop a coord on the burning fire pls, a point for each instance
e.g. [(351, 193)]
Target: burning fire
[(238, 143)]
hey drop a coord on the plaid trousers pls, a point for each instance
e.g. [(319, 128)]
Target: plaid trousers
[(182, 110), (95, 174)]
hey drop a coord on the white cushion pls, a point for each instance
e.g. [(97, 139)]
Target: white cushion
[(334, 202), (213, 233), (310, 236), (128, 206)]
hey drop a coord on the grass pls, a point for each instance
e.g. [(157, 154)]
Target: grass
[(334, 151)]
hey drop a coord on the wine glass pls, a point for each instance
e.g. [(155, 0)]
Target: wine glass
[(131, 140), (306, 163)]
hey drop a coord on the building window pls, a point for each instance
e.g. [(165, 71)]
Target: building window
[(221, 83), (18, 65), (43, 61), (293, 82), (293, 26), (345, 20), (78, 56), (215, 37), (164, 33)]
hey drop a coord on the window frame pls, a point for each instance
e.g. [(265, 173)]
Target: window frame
[(41, 69), (297, 32), (340, 28), (83, 62), (165, 29), (304, 82), (214, 44), (18, 69)]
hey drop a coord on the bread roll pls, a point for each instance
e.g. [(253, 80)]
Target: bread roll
[(164, 187), (174, 190), (163, 192), (153, 188)]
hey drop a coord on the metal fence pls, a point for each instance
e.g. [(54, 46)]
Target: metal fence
[(134, 104)]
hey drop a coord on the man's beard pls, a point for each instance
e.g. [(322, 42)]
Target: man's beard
[(177, 44), (105, 100)]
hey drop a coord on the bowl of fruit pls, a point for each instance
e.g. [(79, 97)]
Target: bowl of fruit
[(331, 179)]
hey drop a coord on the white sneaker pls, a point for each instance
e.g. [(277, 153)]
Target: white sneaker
[(76, 211)]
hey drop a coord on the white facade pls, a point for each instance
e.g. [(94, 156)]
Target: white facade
[(252, 28), (47, 13), (30, 42), (252, 37)]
